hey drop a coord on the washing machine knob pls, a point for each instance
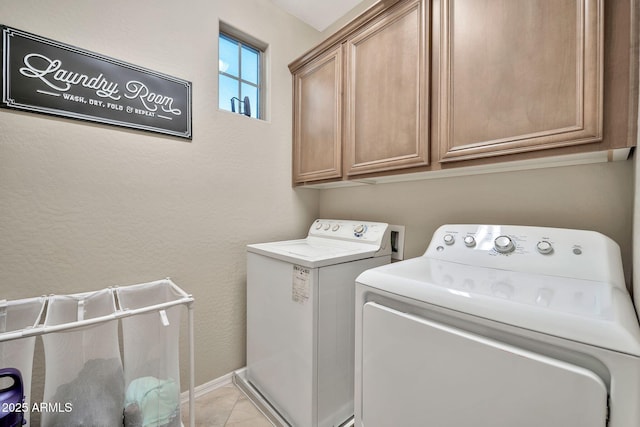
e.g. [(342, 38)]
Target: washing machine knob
[(469, 241), (327, 227), (318, 226), (504, 244), (449, 239), (359, 229), (544, 247)]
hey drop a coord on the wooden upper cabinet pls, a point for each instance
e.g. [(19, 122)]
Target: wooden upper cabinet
[(317, 127), (386, 92), (516, 75), (427, 85)]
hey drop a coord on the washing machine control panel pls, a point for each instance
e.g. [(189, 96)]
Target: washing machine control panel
[(541, 250), (360, 231)]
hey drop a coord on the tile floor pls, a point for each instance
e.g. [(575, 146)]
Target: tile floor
[(225, 406)]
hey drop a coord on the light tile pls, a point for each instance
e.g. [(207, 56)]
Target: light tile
[(245, 414), (225, 407)]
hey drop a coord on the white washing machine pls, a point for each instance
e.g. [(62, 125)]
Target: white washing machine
[(300, 318), (499, 326)]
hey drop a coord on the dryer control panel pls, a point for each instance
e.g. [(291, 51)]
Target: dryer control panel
[(577, 254)]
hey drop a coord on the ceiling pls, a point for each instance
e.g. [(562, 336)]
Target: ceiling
[(318, 14)]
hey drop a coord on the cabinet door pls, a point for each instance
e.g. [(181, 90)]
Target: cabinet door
[(317, 115), (516, 75), (386, 101)]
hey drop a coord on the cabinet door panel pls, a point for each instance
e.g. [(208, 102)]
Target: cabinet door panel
[(518, 75), (317, 104), (386, 101)]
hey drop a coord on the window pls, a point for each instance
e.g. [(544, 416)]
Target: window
[(239, 74)]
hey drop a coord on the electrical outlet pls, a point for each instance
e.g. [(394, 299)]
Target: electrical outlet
[(397, 242)]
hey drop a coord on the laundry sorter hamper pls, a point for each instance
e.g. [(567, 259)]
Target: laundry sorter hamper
[(84, 374), (18, 322), (84, 379), (151, 353)]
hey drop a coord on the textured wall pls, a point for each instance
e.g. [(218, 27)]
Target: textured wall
[(85, 206), (636, 234)]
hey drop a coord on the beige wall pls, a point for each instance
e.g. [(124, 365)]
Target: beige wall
[(636, 230), (85, 206), (595, 197), (636, 236)]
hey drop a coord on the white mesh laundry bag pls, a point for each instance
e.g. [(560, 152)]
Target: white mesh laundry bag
[(151, 355), (84, 382), (17, 316)]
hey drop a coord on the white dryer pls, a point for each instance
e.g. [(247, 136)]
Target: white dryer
[(499, 326), (300, 318)]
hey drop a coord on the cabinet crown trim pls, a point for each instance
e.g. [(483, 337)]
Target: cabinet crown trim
[(343, 33)]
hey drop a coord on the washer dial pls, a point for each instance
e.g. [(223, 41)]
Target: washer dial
[(504, 244), (359, 230)]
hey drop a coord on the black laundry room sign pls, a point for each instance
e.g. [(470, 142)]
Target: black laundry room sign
[(44, 76)]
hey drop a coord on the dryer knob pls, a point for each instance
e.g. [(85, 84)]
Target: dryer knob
[(449, 239), (359, 229), (544, 247), (504, 244)]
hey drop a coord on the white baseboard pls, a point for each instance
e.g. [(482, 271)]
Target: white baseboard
[(207, 387)]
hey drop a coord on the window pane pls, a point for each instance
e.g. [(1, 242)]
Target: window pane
[(227, 89), (252, 93), (249, 65), (228, 56)]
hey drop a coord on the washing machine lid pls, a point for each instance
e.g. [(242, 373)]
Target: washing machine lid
[(313, 253), (331, 242), (590, 312)]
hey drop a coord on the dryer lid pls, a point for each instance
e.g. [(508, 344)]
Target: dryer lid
[(591, 312)]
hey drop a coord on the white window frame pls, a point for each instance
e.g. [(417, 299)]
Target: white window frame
[(229, 32)]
